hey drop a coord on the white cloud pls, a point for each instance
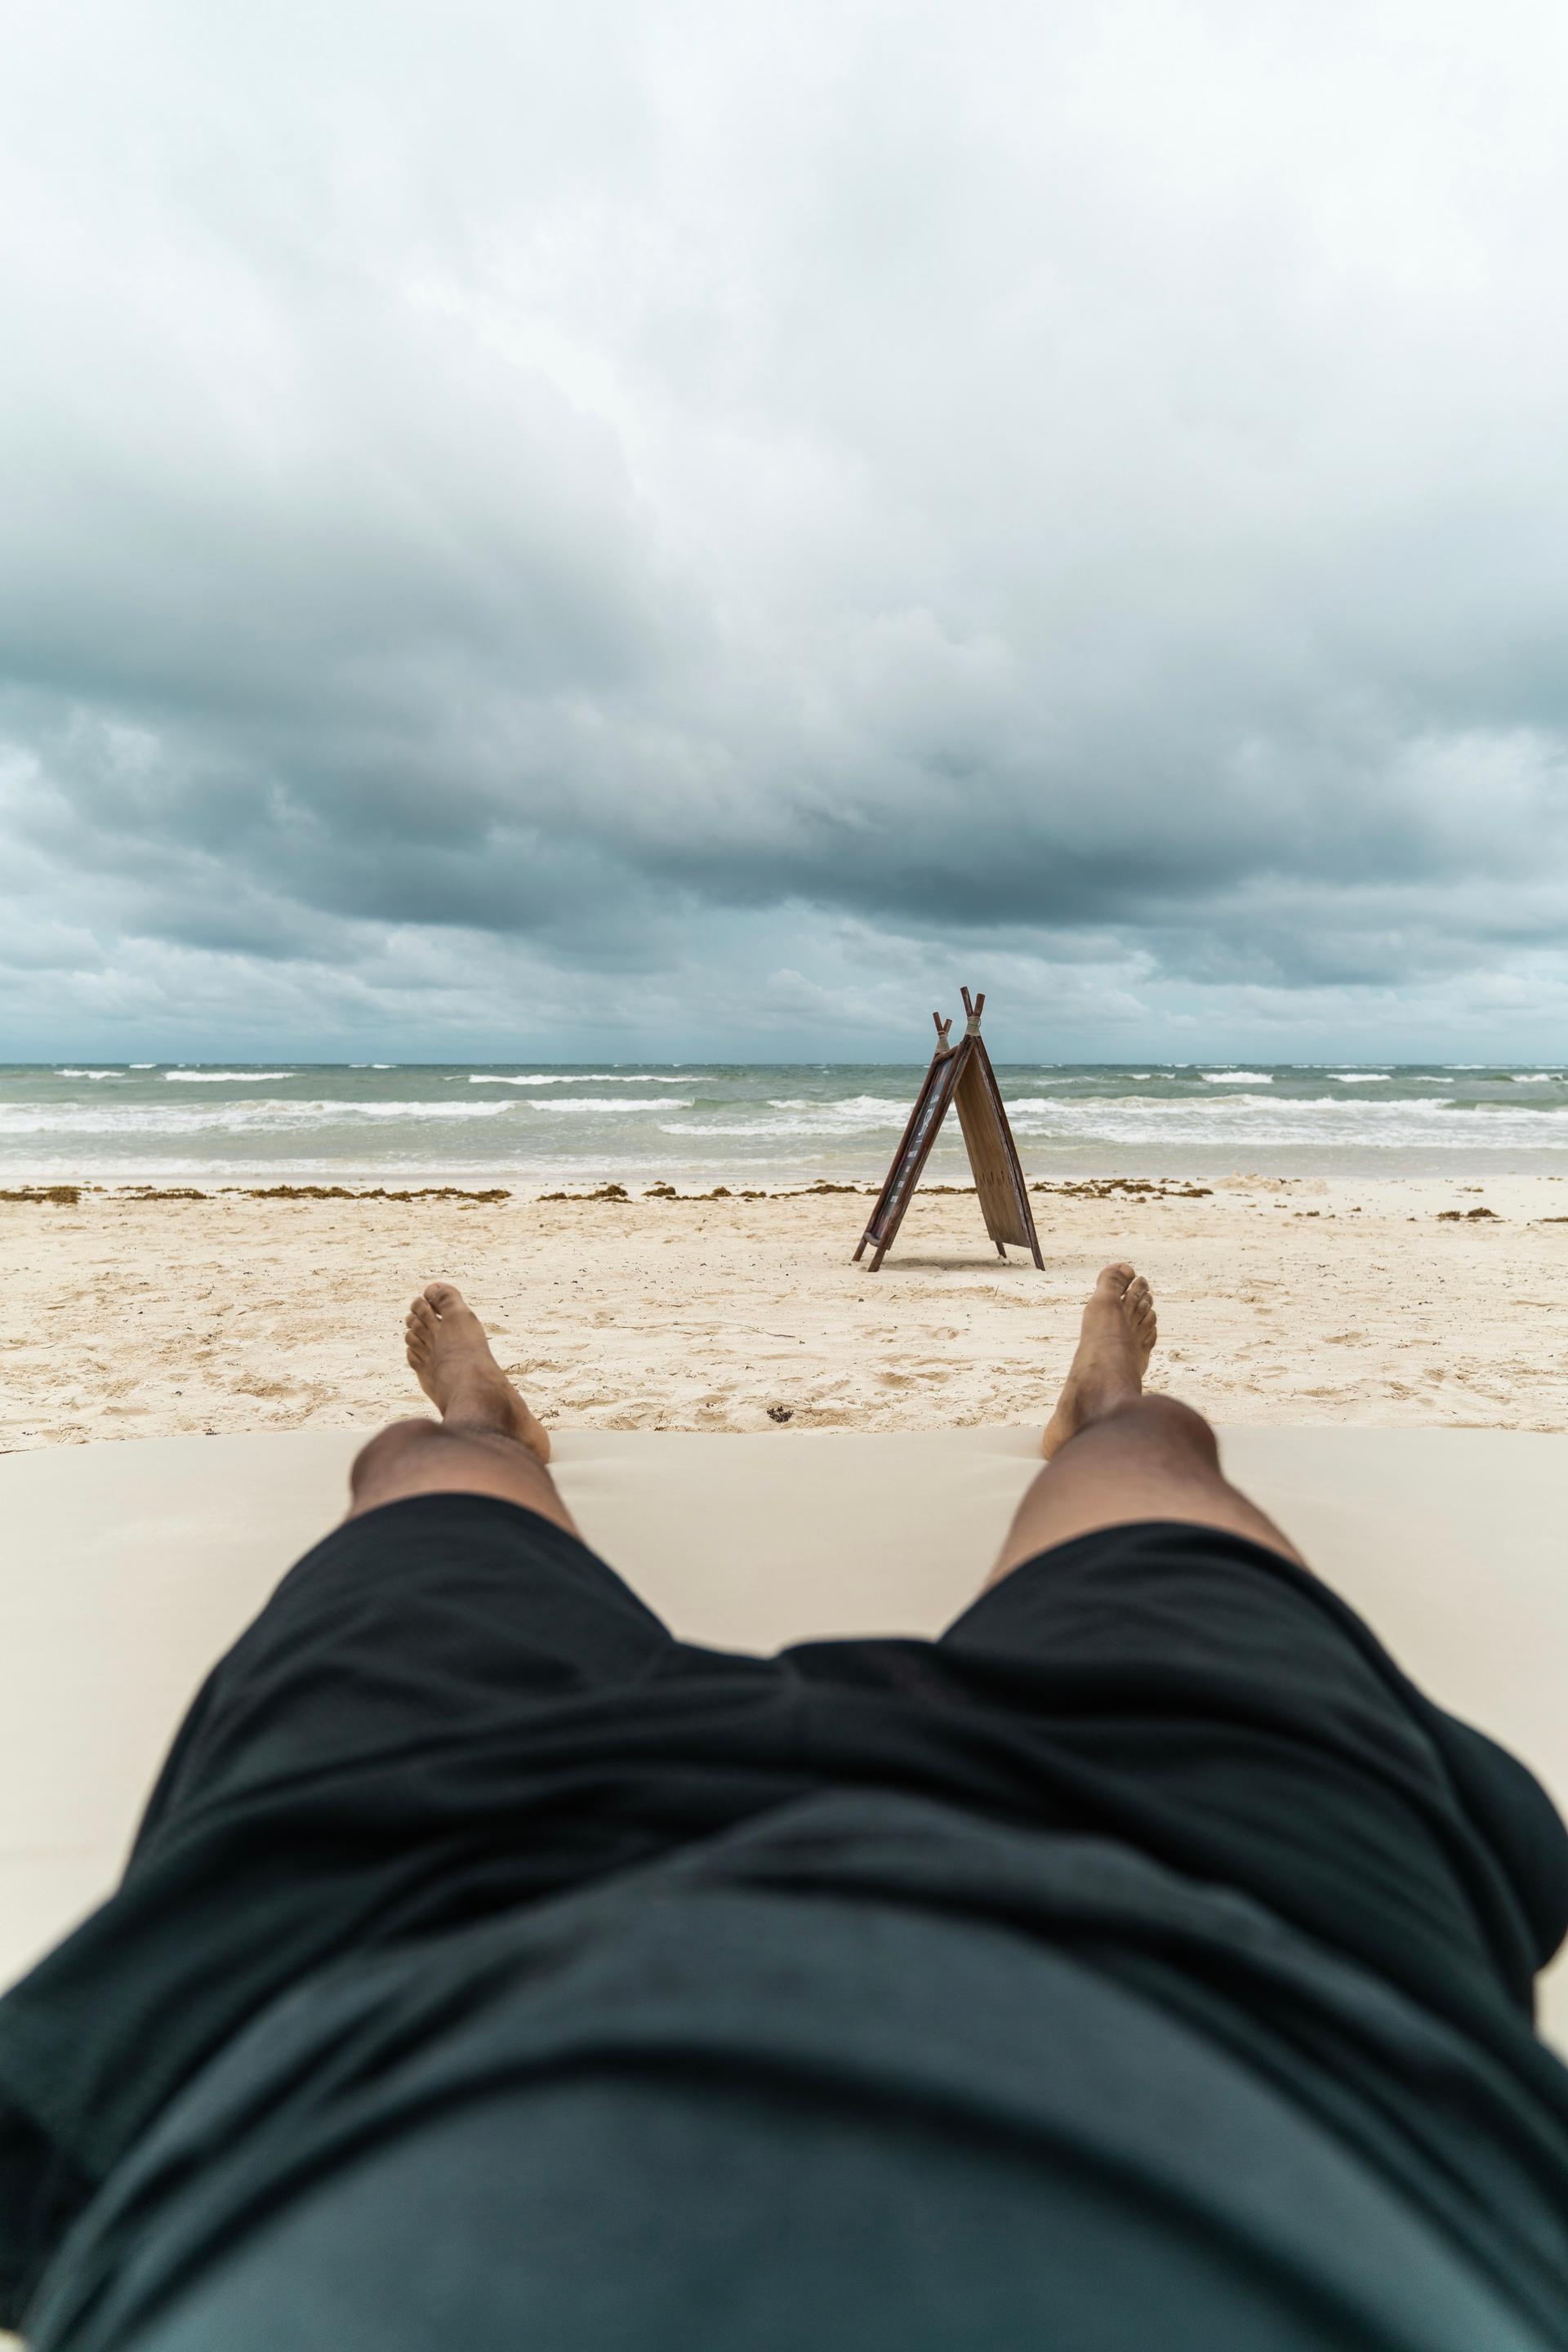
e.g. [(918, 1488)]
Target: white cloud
[(708, 519)]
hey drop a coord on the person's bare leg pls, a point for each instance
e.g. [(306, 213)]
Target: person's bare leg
[(1115, 1455), (485, 1442)]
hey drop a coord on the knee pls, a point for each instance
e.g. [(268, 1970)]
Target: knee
[(1173, 1427), (389, 1448)]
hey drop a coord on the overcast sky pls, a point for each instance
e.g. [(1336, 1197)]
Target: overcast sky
[(655, 527)]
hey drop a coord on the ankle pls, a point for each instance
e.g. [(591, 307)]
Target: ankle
[(482, 1409), (1101, 1396)]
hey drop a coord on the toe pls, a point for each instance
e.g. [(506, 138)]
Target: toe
[(444, 1297), (1115, 1278), (421, 1317)]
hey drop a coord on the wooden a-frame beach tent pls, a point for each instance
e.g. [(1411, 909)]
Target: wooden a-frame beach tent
[(960, 1074)]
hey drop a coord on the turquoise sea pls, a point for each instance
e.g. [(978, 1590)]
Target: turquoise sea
[(757, 1123)]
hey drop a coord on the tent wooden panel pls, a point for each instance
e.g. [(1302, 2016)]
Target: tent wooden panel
[(988, 1140), (960, 1074)]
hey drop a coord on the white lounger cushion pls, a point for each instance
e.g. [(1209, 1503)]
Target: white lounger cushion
[(128, 1567)]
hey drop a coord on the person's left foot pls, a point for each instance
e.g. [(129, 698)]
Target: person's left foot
[(451, 1357)]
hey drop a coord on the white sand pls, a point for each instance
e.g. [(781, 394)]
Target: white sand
[(1279, 1303)]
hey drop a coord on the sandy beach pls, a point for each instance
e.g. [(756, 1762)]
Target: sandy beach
[(139, 1315)]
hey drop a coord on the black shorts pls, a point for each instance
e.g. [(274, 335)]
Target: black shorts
[(450, 1708)]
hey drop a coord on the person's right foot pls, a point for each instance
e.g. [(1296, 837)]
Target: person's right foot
[(452, 1359), (1113, 1352)]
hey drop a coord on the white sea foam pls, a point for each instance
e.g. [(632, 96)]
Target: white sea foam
[(586, 1078), (88, 1074), (800, 1119), (1539, 1078), (1360, 1077), (224, 1078), (854, 1107), (1423, 1122), (568, 1104), (244, 1118), (1235, 1077), (1427, 1122)]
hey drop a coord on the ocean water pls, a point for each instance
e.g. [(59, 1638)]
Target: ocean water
[(542, 1123)]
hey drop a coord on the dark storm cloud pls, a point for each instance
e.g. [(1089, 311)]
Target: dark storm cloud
[(659, 497)]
